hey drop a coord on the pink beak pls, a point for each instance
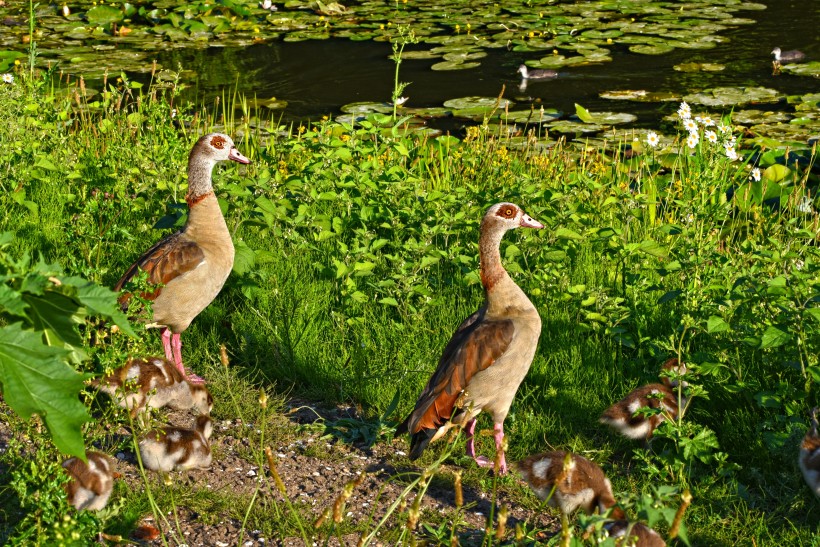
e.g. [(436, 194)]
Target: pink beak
[(235, 155), (528, 222)]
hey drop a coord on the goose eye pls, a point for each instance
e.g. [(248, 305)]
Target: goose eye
[(509, 213)]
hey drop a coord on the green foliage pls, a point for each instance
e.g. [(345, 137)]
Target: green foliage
[(42, 309)]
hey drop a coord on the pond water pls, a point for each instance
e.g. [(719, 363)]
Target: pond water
[(317, 77)]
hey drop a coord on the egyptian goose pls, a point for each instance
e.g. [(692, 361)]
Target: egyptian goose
[(154, 382), (194, 262), (640, 535), (624, 416), (787, 56), (488, 356), (810, 455), (570, 482), (90, 483), (171, 448), (536, 74)]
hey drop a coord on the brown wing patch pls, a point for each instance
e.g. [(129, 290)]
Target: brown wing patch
[(165, 261), (218, 142), (476, 345)]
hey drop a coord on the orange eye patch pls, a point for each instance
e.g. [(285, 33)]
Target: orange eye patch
[(218, 142)]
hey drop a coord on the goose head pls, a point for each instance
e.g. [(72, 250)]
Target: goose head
[(215, 147), (522, 69), (776, 53), (508, 216)]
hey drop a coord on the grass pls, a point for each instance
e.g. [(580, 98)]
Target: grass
[(357, 259)]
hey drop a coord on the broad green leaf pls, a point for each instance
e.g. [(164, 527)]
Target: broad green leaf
[(244, 258), (36, 380), (774, 337), (58, 316), (653, 248), (566, 233), (390, 301), (103, 15), (716, 324), (12, 302), (98, 300), (583, 114)]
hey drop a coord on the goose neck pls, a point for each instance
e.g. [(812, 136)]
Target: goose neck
[(489, 253), (199, 178)]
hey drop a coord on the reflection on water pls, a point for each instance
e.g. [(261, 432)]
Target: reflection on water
[(318, 77)]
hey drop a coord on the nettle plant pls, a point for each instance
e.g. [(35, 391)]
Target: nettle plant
[(41, 345)]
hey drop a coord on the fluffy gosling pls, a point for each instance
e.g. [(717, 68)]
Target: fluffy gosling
[(177, 448), (640, 535), (577, 482), (810, 455), (622, 415), (154, 382), (90, 483)]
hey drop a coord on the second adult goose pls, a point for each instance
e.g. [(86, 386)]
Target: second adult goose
[(488, 356), (194, 262)]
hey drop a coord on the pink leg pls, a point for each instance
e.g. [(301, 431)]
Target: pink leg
[(471, 438), (483, 461), (176, 344), (166, 343)]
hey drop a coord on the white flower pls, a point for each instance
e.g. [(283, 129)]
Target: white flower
[(724, 128), (8, 78), (692, 140), (711, 136), (684, 111), (730, 143), (400, 101), (755, 174), (730, 153), (652, 139), (690, 125)]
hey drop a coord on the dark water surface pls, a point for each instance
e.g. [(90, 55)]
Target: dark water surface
[(317, 77)]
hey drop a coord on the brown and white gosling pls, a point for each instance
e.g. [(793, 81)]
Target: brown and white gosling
[(90, 483), (623, 415), (810, 455), (177, 448), (640, 535), (569, 482), (154, 382)]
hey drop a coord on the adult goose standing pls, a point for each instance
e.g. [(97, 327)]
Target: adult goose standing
[(194, 262), (810, 455), (489, 354)]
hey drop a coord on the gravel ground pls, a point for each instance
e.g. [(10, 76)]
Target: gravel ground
[(314, 469)]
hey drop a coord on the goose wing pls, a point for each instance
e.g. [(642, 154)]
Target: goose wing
[(476, 345), (170, 258)]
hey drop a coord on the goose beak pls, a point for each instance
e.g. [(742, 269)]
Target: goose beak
[(528, 222), (235, 155)]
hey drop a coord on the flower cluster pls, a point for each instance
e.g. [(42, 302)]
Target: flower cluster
[(722, 133)]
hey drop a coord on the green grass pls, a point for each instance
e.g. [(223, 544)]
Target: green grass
[(359, 258)]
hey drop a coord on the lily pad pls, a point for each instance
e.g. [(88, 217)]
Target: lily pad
[(104, 15), (752, 117), (567, 127), (734, 96), (640, 95), (484, 103), (651, 49), (367, 108), (699, 67), (538, 115), (807, 69), (454, 65)]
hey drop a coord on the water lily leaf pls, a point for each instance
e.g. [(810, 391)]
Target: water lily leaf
[(734, 96), (699, 67), (104, 15), (485, 103), (807, 69), (454, 65), (776, 173), (651, 49)]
